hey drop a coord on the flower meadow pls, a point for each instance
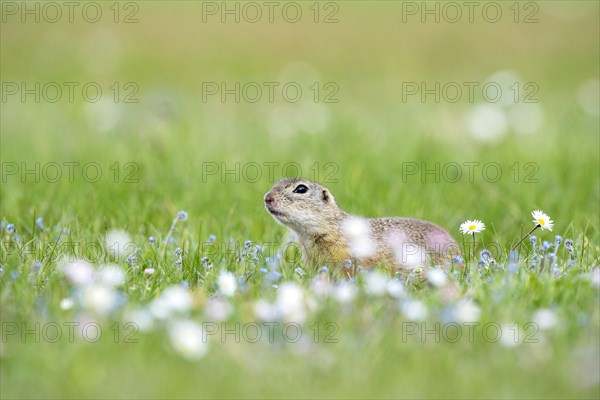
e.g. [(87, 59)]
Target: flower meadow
[(137, 259), (196, 306)]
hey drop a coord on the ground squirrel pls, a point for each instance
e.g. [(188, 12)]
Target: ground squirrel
[(327, 234)]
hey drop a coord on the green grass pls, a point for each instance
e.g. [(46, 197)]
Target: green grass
[(369, 139)]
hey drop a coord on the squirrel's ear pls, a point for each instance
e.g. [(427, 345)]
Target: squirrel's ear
[(327, 197)]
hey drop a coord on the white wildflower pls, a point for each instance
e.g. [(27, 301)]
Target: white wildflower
[(119, 245), (542, 219), (187, 338), (290, 302), (321, 286), (265, 311), (173, 300), (79, 272), (218, 310), (395, 288), (345, 292), (66, 303), (227, 283), (376, 283), (99, 299), (545, 318), (141, 318), (466, 311), (111, 276), (358, 232), (472, 226), (437, 277), (414, 310)]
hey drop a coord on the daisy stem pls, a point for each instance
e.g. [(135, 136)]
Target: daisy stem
[(524, 237), (474, 252)]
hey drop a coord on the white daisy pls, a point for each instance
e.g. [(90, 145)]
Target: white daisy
[(66, 303), (376, 283), (218, 310), (187, 337), (358, 232), (545, 318), (118, 244), (395, 288), (227, 283), (542, 219), (111, 276), (472, 226), (79, 272), (265, 311), (466, 311), (345, 292), (99, 299), (414, 310), (437, 277), (291, 302), (172, 301)]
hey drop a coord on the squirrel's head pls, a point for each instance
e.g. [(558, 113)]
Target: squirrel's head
[(304, 206)]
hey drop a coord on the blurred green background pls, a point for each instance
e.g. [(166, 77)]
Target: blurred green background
[(369, 55), (542, 136)]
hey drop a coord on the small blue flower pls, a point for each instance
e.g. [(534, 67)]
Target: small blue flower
[(547, 245), (557, 240), (569, 245), (10, 228), (512, 268), (132, 260), (39, 222), (324, 269), (182, 215), (152, 240), (485, 254), (178, 251), (532, 240), (272, 276), (247, 244), (212, 238), (556, 272), (35, 267)]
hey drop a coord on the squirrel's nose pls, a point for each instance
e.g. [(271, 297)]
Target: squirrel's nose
[(268, 198)]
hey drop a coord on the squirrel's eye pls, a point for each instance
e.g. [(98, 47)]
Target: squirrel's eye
[(301, 189)]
